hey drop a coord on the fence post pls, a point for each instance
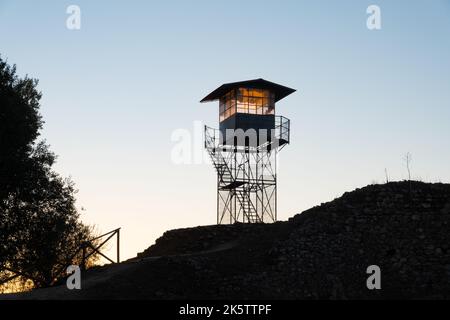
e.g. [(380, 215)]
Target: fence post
[(118, 245)]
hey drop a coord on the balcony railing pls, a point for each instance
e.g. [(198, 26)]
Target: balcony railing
[(280, 136), (282, 129)]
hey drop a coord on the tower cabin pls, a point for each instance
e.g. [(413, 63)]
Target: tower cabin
[(248, 105)]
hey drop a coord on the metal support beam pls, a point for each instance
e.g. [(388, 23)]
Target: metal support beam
[(246, 177)]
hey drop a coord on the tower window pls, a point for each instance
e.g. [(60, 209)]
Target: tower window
[(255, 101), (244, 100)]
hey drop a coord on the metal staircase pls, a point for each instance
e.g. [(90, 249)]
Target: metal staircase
[(243, 177), (248, 210)]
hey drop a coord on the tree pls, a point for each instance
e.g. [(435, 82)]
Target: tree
[(40, 228)]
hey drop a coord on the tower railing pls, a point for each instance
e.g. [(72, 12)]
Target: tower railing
[(214, 139), (282, 129)]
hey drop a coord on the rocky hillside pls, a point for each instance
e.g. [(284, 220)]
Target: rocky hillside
[(322, 253), (401, 227)]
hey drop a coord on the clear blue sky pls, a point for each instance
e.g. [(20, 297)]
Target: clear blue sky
[(115, 91)]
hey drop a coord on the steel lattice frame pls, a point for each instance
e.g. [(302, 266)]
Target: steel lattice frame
[(255, 200), (246, 181)]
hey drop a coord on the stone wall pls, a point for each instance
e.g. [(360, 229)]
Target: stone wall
[(324, 253)]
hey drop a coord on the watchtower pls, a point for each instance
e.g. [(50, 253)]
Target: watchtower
[(244, 149)]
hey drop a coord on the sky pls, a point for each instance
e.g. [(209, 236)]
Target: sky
[(116, 90)]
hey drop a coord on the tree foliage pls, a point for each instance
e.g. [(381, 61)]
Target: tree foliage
[(40, 228)]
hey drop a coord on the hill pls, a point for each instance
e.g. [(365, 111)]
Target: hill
[(322, 253)]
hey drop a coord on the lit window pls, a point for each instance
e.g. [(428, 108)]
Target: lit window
[(244, 100)]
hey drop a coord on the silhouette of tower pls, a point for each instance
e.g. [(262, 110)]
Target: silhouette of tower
[(244, 149)]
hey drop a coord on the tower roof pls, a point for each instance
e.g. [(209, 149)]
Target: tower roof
[(279, 90)]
